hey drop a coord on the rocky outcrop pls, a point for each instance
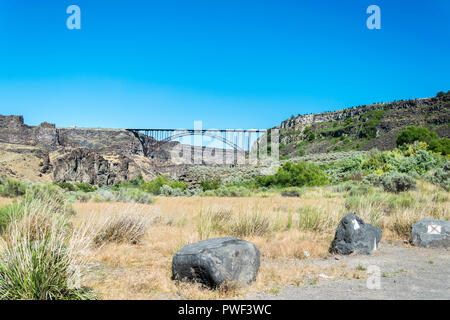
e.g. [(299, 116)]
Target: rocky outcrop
[(47, 136), (302, 121), (14, 131), (214, 262), (101, 140), (86, 165)]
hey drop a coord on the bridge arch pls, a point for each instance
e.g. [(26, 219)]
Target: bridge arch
[(160, 136), (207, 133)]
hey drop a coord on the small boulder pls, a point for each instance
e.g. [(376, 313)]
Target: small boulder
[(215, 261), (353, 235), (431, 233), (290, 193)]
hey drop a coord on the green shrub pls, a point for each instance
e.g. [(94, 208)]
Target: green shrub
[(440, 145), (123, 185), (301, 152), (86, 187), (441, 176), (138, 181), (369, 126), (419, 161), (294, 175), (132, 195), (66, 186), (392, 181), (412, 134), (211, 184), (79, 196), (12, 188), (177, 185), (155, 185), (232, 191), (168, 191)]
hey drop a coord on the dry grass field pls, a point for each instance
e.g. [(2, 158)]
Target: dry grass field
[(5, 201), (282, 228)]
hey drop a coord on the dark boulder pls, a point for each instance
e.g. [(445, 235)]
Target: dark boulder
[(290, 193), (353, 235), (216, 261), (431, 233)]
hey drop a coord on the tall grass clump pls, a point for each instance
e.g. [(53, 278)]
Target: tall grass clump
[(314, 219), (122, 229), (12, 188), (8, 213), (50, 196), (41, 254), (249, 224), (213, 222)]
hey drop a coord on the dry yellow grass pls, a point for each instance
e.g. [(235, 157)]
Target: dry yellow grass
[(143, 271), (5, 201)]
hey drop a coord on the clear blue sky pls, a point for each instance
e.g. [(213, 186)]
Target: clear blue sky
[(229, 63)]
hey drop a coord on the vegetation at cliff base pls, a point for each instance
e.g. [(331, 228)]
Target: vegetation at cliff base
[(294, 175), (413, 134)]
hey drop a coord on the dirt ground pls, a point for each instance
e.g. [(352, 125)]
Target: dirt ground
[(405, 273)]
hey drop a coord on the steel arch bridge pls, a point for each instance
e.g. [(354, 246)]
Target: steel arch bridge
[(244, 137)]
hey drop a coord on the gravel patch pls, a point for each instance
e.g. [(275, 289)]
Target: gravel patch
[(405, 273)]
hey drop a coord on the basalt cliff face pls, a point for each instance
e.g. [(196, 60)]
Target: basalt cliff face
[(48, 137), (96, 156)]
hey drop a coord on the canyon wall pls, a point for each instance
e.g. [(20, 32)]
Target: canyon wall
[(101, 156), (301, 121)]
